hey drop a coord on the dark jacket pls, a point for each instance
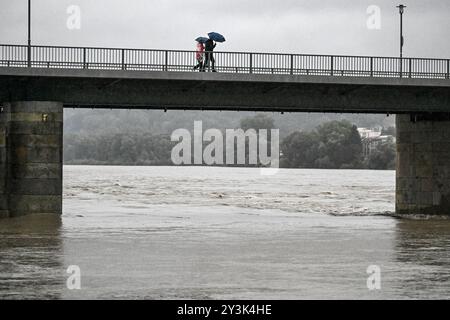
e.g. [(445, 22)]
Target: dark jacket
[(209, 45)]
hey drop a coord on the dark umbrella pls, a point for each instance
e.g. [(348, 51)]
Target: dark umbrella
[(217, 37), (201, 39)]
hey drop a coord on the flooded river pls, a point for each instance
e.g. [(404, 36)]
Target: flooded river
[(225, 233)]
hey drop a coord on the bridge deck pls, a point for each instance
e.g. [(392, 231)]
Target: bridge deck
[(229, 62), (164, 79)]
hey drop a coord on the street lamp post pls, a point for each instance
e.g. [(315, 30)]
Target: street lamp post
[(401, 9), (29, 34)]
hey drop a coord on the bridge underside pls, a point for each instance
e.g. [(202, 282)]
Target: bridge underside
[(215, 91), (31, 125)]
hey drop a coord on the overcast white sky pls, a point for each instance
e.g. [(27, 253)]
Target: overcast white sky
[(297, 26)]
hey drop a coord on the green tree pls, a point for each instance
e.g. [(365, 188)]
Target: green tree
[(333, 145), (300, 150), (257, 122), (260, 121), (123, 149), (383, 157), (340, 145)]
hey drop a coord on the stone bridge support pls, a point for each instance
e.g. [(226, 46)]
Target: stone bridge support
[(31, 137), (423, 164), (4, 212)]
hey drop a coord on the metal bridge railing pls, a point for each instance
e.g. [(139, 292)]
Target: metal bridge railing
[(229, 62)]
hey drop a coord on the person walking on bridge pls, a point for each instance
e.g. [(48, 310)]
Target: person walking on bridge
[(199, 54), (209, 48)]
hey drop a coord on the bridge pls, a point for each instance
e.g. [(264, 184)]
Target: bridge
[(37, 82)]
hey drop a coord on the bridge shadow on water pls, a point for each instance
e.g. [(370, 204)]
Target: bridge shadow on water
[(31, 254)]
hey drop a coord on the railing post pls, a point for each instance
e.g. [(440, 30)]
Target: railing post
[(84, 59), (292, 64), (251, 62), (371, 66), (29, 56), (401, 67), (123, 59), (166, 61), (448, 68), (332, 65), (410, 67)]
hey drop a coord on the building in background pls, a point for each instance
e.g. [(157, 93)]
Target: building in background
[(373, 137)]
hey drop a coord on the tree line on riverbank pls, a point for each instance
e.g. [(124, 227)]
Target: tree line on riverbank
[(332, 145), (335, 145)]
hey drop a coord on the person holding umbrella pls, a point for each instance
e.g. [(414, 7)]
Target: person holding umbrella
[(209, 48), (200, 53)]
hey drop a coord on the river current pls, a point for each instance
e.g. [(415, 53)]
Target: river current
[(225, 233)]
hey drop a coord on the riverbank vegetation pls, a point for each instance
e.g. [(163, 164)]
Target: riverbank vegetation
[(334, 144)]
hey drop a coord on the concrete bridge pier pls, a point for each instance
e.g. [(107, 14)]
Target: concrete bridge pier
[(423, 164), (4, 212), (31, 142)]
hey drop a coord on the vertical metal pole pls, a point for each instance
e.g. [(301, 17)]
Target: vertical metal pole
[(251, 62), (84, 59), (410, 68), (448, 68), (123, 59), (371, 66), (332, 65), (292, 64), (401, 44), (401, 34), (166, 63), (401, 9), (29, 34)]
